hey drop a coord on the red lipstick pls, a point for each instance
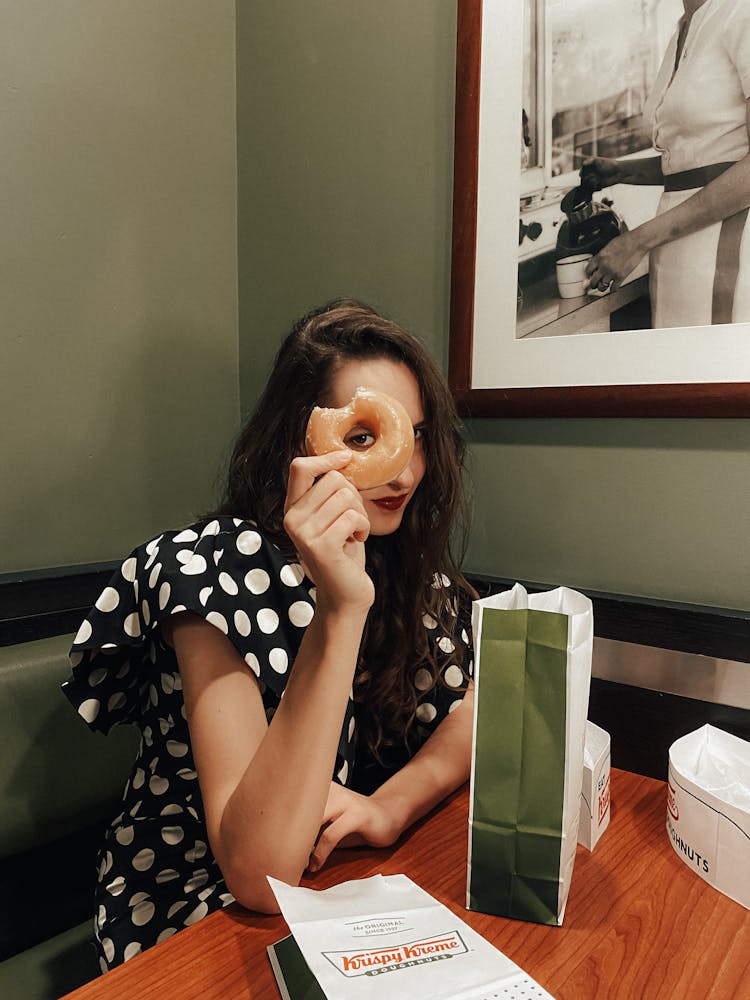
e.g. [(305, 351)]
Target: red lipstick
[(392, 503)]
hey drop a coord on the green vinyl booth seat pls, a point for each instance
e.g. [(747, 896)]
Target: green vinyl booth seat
[(59, 786)]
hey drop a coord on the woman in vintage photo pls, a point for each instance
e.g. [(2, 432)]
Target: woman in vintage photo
[(699, 111)]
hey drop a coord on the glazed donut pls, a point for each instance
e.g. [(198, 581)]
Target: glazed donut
[(384, 417)]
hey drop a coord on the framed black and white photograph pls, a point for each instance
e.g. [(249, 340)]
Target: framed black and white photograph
[(601, 248)]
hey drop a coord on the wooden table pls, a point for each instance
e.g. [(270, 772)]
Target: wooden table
[(639, 924)]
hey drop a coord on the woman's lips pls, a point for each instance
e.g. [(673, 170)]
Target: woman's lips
[(391, 503)]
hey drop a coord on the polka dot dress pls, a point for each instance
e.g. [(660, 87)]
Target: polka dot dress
[(156, 872), (435, 701)]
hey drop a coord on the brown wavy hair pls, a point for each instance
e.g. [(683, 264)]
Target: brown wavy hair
[(405, 566)]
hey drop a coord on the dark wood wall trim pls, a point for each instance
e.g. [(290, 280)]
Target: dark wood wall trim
[(644, 724), (688, 628), (39, 605)]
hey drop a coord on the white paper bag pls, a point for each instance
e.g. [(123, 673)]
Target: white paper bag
[(385, 937), (595, 791), (532, 672), (708, 809)]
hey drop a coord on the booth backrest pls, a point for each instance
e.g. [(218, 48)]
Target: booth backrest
[(59, 785), (55, 775)]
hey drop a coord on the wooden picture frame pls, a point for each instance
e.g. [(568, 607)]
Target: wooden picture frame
[(693, 397)]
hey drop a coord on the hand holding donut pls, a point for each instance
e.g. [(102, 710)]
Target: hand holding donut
[(325, 519), (374, 414)]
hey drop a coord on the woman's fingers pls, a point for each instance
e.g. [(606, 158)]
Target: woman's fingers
[(352, 820), (349, 525), (331, 503), (326, 522), (334, 835), (611, 266), (327, 526), (333, 507), (597, 275), (338, 805), (323, 847), (599, 280), (317, 492), (305, 470)]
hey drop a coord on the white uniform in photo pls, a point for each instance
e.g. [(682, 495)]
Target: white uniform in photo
[(698, 115)]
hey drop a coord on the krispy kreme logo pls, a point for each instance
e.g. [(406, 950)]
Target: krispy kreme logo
[(674, 812), (603, 801), (375, 961)]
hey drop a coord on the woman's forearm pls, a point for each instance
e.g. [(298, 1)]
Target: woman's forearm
[(602, 172), (264, 786), (271, 820), (722, 197), (643, 170), (726, 195)]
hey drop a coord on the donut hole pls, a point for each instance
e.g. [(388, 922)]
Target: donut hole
[(360, 438)]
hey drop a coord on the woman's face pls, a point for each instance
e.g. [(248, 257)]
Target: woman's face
[(385, 505)]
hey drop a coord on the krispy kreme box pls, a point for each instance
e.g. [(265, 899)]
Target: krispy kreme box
[(595, 791)]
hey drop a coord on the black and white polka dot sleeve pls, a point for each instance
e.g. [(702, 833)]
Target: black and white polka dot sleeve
[(227, 572)]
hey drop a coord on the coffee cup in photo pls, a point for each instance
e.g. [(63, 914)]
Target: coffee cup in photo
[(571, 275)]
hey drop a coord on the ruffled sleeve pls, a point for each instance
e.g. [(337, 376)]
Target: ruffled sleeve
[(227, 572)]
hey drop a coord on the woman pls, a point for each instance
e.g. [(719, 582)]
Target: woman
[(700, 114), (349, 605)]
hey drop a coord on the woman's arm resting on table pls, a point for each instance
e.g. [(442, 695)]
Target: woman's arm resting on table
[(727, 194), (440, 766), (264, 786)]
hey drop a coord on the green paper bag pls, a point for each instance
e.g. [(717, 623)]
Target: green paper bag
[(532, 677)]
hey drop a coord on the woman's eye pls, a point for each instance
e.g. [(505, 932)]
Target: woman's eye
[(360, 439)]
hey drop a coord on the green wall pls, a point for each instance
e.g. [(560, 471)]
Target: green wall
[(344, 164), (345, 126), (118, 275), (119, 286)]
